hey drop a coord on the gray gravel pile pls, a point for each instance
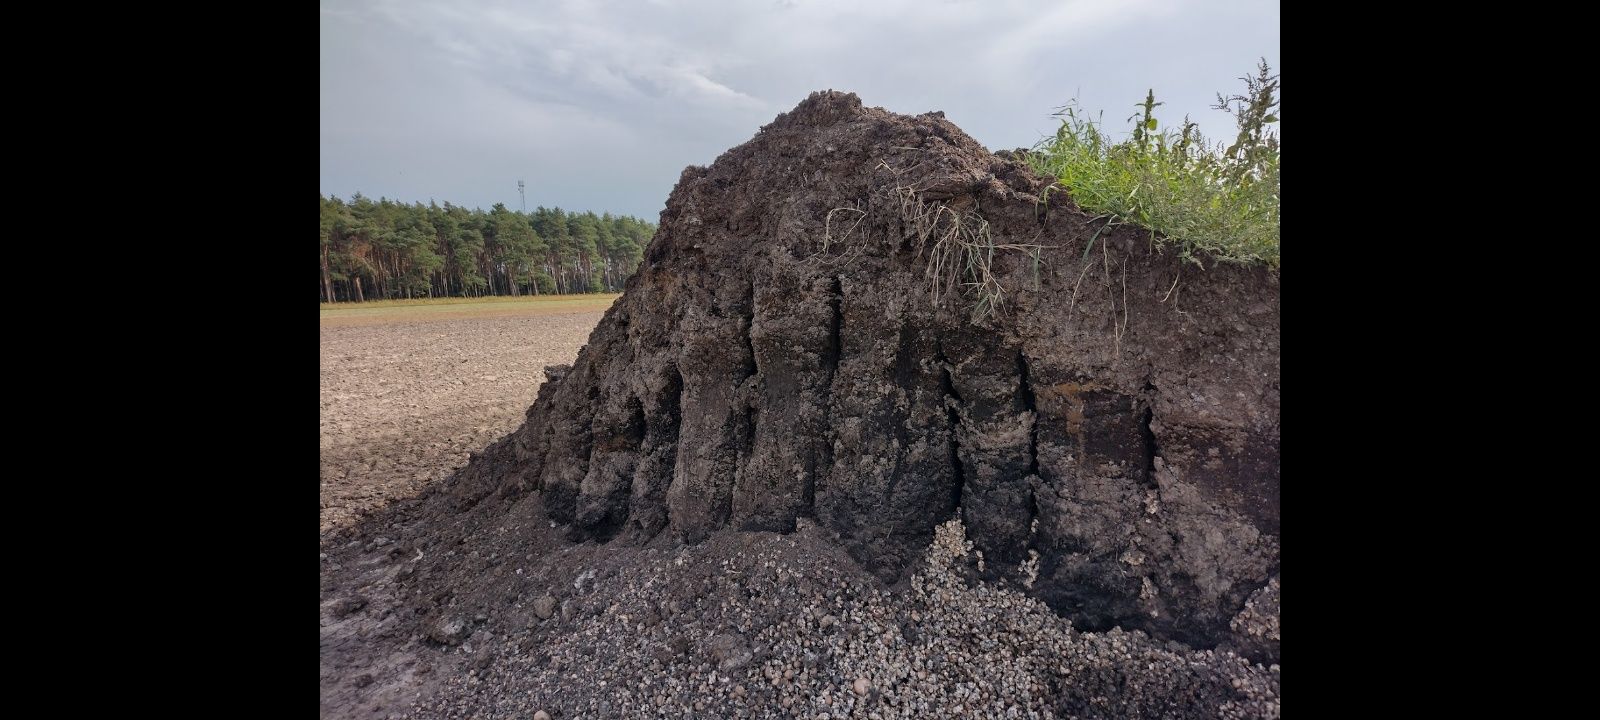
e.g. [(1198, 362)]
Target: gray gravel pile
[(760, 625)]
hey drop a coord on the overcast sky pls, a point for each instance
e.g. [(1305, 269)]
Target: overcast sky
[(600, 105)]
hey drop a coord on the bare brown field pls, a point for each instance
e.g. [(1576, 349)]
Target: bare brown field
[(409, 389)]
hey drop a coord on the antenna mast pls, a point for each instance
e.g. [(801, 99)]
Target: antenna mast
[(523, 195)]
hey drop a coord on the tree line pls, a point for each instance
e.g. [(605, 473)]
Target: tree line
[(385, 249)]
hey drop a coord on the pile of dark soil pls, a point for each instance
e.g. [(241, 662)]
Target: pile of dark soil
[(749, 495)]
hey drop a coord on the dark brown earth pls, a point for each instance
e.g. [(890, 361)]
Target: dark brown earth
[(782, 370)]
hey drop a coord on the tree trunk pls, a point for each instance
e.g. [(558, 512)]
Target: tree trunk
[(327, 284), (359, 296)]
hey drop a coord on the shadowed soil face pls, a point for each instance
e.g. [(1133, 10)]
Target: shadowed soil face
[(409, 393), (811, 337)]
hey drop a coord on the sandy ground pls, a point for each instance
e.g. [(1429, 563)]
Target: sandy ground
[(409, 391)]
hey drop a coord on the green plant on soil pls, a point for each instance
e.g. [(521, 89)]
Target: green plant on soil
[(1199, 197)]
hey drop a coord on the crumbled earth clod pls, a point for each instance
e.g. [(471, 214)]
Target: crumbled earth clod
[(544, 607)]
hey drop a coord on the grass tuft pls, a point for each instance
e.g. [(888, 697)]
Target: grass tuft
[(1202, 198)]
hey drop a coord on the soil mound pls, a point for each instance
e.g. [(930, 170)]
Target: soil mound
[(1118, 414), (867, 324)]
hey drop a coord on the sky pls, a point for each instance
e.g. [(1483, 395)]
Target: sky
[(600, 105)]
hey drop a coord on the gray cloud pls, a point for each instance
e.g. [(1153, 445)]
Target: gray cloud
[(600, 105)]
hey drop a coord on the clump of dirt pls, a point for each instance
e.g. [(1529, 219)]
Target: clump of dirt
[(815, 339)]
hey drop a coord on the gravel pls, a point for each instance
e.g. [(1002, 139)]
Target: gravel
[(762, 625)]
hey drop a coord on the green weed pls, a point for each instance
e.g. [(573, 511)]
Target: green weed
[(1213, 200)]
